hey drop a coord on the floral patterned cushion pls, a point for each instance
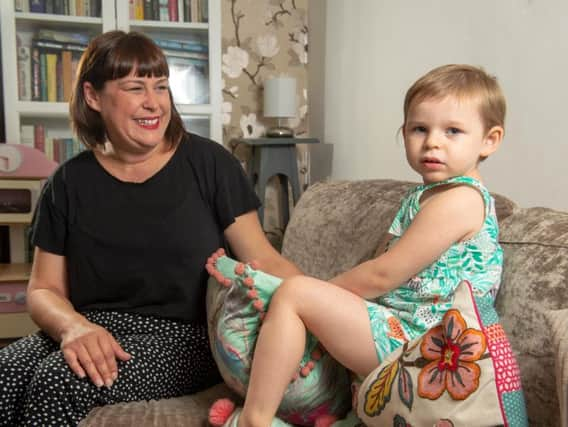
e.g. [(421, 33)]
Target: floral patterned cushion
[(460, 373), (237, 298)]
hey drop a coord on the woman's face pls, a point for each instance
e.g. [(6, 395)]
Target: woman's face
[(136, 111)]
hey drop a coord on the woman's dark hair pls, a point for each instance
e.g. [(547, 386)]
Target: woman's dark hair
[(110, 56)]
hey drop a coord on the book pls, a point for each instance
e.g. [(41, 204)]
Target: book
[(187, 54), (36, 75), (163, 10), (48, 45), (173, 10), (43, 75), (39, 137), (24, 73), (186, 10), (66, 74), (27, 135), (21, 5), (148, 10), (204, 6), (37, 6), (63, 36), (139, 9), (182, 45)]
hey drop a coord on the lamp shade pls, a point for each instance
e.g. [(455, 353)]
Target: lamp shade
[(280, 97)]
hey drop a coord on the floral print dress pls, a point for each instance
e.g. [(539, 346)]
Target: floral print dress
[(419, 304)]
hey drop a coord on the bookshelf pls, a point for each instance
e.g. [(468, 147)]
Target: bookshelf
[(39, 111)]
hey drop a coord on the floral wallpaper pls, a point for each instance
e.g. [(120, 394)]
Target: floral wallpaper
[(262, 39)]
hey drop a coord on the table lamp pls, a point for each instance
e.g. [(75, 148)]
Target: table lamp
[(280, 102)]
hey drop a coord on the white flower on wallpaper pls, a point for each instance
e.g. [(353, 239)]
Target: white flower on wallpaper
[(251, 127), (299, 46), (267, 45), (226, 110), (233, 91), (234, 61)]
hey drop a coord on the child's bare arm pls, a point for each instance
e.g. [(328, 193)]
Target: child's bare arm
[(448, 217)]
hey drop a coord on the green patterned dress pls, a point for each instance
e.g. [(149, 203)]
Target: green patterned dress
[(417, 305)]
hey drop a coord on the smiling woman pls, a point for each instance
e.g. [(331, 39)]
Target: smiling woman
[(122, 233)]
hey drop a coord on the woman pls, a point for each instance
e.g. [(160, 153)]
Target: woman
[(122, 233)]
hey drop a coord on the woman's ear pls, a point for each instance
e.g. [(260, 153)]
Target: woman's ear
[(91, 96), (492, 141)]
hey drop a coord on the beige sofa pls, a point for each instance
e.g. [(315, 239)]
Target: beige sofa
[(337, 225)]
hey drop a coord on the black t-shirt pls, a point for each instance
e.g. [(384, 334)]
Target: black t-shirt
[(142, 247)]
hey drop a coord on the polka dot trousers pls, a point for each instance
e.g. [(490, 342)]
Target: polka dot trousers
[(169, 359)]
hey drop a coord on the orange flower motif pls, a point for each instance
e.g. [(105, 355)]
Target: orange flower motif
[(396, 330), (452, 350)]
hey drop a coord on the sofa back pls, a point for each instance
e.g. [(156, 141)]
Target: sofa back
[(337, 225)]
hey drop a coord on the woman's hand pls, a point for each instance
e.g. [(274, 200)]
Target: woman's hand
[(91, 350)]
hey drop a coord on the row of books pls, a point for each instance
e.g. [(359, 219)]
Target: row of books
[(170, 10), (60, 7), (47, 68), (56, 148)]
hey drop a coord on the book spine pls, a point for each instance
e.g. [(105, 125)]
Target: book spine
[(66, 74), (163, 10), (27, 135), (139, 9), (43, 75), (51, 76), (39, 137), (24, 73), (59, 78), (37, 6), (186, 10), (173, 10), (36, 75), (148, 10)]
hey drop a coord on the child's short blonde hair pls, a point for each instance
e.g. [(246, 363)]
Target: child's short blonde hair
[(462, 81)]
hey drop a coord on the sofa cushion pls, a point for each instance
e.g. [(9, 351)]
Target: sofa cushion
[(185, 411), (558, 322), (337, 225), (535, 271), (456, 371)]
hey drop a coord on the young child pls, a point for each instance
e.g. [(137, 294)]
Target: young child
[(445, 232)]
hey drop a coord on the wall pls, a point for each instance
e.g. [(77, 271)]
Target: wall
[(375, 49)]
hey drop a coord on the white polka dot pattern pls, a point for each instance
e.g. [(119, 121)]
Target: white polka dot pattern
[(37, 388)]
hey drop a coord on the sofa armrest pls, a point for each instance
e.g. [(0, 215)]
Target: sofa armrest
[(558, 322)]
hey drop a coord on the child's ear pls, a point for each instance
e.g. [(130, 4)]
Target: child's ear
[(492, 141)]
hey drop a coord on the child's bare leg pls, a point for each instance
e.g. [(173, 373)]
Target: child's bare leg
[(338, 318)]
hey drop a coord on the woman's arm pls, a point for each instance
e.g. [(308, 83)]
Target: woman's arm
[(448, 217), (248, 242), (88, 348)]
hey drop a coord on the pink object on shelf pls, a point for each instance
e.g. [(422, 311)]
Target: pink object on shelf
[(20, 161)]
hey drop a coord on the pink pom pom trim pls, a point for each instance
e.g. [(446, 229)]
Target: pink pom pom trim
[(325, 421), (220, 412)]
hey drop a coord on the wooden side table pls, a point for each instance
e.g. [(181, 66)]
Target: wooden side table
[(275, 156)]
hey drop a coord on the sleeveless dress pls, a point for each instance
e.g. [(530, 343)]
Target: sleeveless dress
[(419, 304)]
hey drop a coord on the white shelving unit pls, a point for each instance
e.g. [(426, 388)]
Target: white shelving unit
[(114, 15)]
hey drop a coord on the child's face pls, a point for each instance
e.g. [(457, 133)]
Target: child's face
[(446, 137)]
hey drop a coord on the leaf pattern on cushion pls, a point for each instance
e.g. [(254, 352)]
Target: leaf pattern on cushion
[(379, 394)]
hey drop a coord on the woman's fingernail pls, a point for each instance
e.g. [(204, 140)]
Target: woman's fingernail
[(108, 383), (99, 383)]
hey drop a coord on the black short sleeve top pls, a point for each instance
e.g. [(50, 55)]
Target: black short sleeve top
[(142, 247)]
